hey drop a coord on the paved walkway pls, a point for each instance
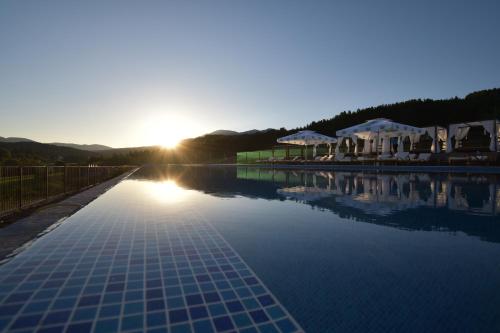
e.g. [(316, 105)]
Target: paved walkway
[(15, 236)]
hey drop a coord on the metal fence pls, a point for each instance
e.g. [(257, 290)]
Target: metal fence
[(22, 187)]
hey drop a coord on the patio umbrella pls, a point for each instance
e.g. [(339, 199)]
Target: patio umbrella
[(307, 138), (380, 127)]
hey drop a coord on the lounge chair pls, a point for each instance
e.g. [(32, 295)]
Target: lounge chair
[(423, 157), (479, 157), (386, 157), (404, 156), (342, 158)]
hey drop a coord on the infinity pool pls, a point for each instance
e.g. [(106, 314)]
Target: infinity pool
[(236, 249)]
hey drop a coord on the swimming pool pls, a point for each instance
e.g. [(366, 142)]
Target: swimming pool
[(223, 249)]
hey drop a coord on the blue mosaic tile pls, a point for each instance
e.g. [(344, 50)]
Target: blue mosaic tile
[(135, 269)]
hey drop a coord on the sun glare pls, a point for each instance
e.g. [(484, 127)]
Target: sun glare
[(169, 141), (167, 131), (166, 191)]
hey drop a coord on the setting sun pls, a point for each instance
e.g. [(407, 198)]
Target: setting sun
[(169, 140), (167, 131)]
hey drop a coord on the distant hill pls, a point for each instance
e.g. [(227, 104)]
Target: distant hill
[(91, 147), (229, 132), (34, 153), (14, 139), (121, 151), (223, 132)]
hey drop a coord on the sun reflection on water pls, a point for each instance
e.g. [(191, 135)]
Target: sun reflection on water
[(166, 191)]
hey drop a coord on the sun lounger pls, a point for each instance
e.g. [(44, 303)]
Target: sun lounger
[(342, 158), (339, 157), (386, 157), (479, 158), (404, 156), (423, 157)]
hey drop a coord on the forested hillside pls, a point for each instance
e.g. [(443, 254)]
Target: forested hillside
[(481, 105)]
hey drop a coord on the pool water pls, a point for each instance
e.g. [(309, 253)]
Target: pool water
[(238, 249)]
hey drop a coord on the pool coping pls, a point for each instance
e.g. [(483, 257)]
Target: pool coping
[(19, 234), (365, 167)]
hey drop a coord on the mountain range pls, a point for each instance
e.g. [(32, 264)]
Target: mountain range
[(222, 145), (229, 132), (91, 147), (108, 150)]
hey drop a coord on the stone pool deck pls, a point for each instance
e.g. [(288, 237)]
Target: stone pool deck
[(18, 234)]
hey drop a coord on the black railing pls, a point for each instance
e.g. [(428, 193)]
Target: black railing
[(26, 186)]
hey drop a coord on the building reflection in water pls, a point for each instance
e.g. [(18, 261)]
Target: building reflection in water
[(382, 194), (410, 201)]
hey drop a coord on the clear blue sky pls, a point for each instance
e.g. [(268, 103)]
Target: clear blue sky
[(118, 72)]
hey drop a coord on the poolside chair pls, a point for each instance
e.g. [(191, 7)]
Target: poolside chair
[(386, 157), (342, 158), (479, 157), (404, 156), (423, 157)]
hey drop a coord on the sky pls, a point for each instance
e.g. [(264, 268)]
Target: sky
[(133, 73)]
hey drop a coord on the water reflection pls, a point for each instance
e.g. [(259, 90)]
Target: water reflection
[(445, 202), (357, 252), (165, 191), (383, 194)]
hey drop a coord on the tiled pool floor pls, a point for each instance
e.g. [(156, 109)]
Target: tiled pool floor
[(122, 265)]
